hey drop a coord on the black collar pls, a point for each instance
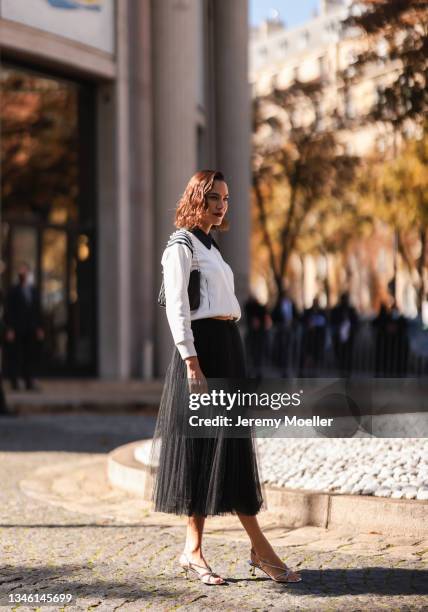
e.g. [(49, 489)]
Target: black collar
[(206, 239)]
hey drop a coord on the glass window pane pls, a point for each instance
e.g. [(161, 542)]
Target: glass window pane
[(24, 249), (54, 291)]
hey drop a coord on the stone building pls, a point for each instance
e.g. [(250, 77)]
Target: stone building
[(320, 49), (108, 108)]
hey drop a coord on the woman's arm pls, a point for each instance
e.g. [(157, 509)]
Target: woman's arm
[(177, 262)]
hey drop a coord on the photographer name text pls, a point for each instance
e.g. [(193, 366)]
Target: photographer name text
[(286, 421)]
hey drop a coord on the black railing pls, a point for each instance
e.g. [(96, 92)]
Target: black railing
[(391, 349)]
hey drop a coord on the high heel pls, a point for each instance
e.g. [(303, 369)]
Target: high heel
[(257, 561), (190, 566)]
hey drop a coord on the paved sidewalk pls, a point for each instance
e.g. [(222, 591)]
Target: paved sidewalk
[(64, 530)]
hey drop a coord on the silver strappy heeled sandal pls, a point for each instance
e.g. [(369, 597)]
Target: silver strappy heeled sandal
[(256, 562), (190, 566)]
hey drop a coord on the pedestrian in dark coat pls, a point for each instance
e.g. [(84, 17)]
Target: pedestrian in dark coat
[(23, 323)]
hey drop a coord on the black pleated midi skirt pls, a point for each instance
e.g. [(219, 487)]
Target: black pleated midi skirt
[(204, 476)]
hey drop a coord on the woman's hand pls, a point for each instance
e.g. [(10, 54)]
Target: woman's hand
[(195, 377)]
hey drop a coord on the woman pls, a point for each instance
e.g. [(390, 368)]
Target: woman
[(217, 475)]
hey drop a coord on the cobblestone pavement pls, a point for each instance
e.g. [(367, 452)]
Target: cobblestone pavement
[(64, 530)]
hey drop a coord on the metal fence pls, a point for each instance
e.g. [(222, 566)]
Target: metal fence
[(397, 349)]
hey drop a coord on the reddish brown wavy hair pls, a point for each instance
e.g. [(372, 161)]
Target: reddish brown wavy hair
[(193, 202)]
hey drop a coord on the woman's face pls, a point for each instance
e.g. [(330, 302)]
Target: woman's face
[(217, 203)]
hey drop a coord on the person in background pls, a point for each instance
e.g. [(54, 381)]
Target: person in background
[(344, 323), (314, 323), (23, 324), (391, 341), (257, 322), (284, 317)]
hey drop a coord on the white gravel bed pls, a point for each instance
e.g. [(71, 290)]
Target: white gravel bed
[(384, 467)]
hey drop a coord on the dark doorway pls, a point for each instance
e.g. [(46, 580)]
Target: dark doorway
[(48, 208)]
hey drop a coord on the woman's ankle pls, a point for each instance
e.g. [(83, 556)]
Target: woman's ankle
[(194, 551), (263, 549)]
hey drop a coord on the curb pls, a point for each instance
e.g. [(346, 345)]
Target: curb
[(67, 405), (298, 507), (87, 395)]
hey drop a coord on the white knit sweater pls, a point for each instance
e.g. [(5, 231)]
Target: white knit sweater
[(217, 285)]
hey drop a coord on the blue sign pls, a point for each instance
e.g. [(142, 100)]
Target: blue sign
[(93, 5)]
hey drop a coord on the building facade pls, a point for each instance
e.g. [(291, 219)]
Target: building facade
[(108, 108), (319, 50)]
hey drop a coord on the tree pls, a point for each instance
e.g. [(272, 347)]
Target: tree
[(396, 34), (394, 192), (405, 189), (299, 171)]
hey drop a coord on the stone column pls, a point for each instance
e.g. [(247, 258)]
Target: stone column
[(113, 216), (142, 242), (233, 127), (174, 35)]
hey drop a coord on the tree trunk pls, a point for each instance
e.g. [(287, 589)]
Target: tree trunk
[(395, 261), (285, 232), (421, 268), (266, 236)]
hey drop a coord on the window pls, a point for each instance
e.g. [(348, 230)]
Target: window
[(348, 104), (304, 39), (283, 45), (322, 66)]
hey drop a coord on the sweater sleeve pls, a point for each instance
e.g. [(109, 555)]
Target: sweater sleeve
[(176, 262)]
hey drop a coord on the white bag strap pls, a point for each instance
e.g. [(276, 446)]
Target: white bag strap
[(194, 249)]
